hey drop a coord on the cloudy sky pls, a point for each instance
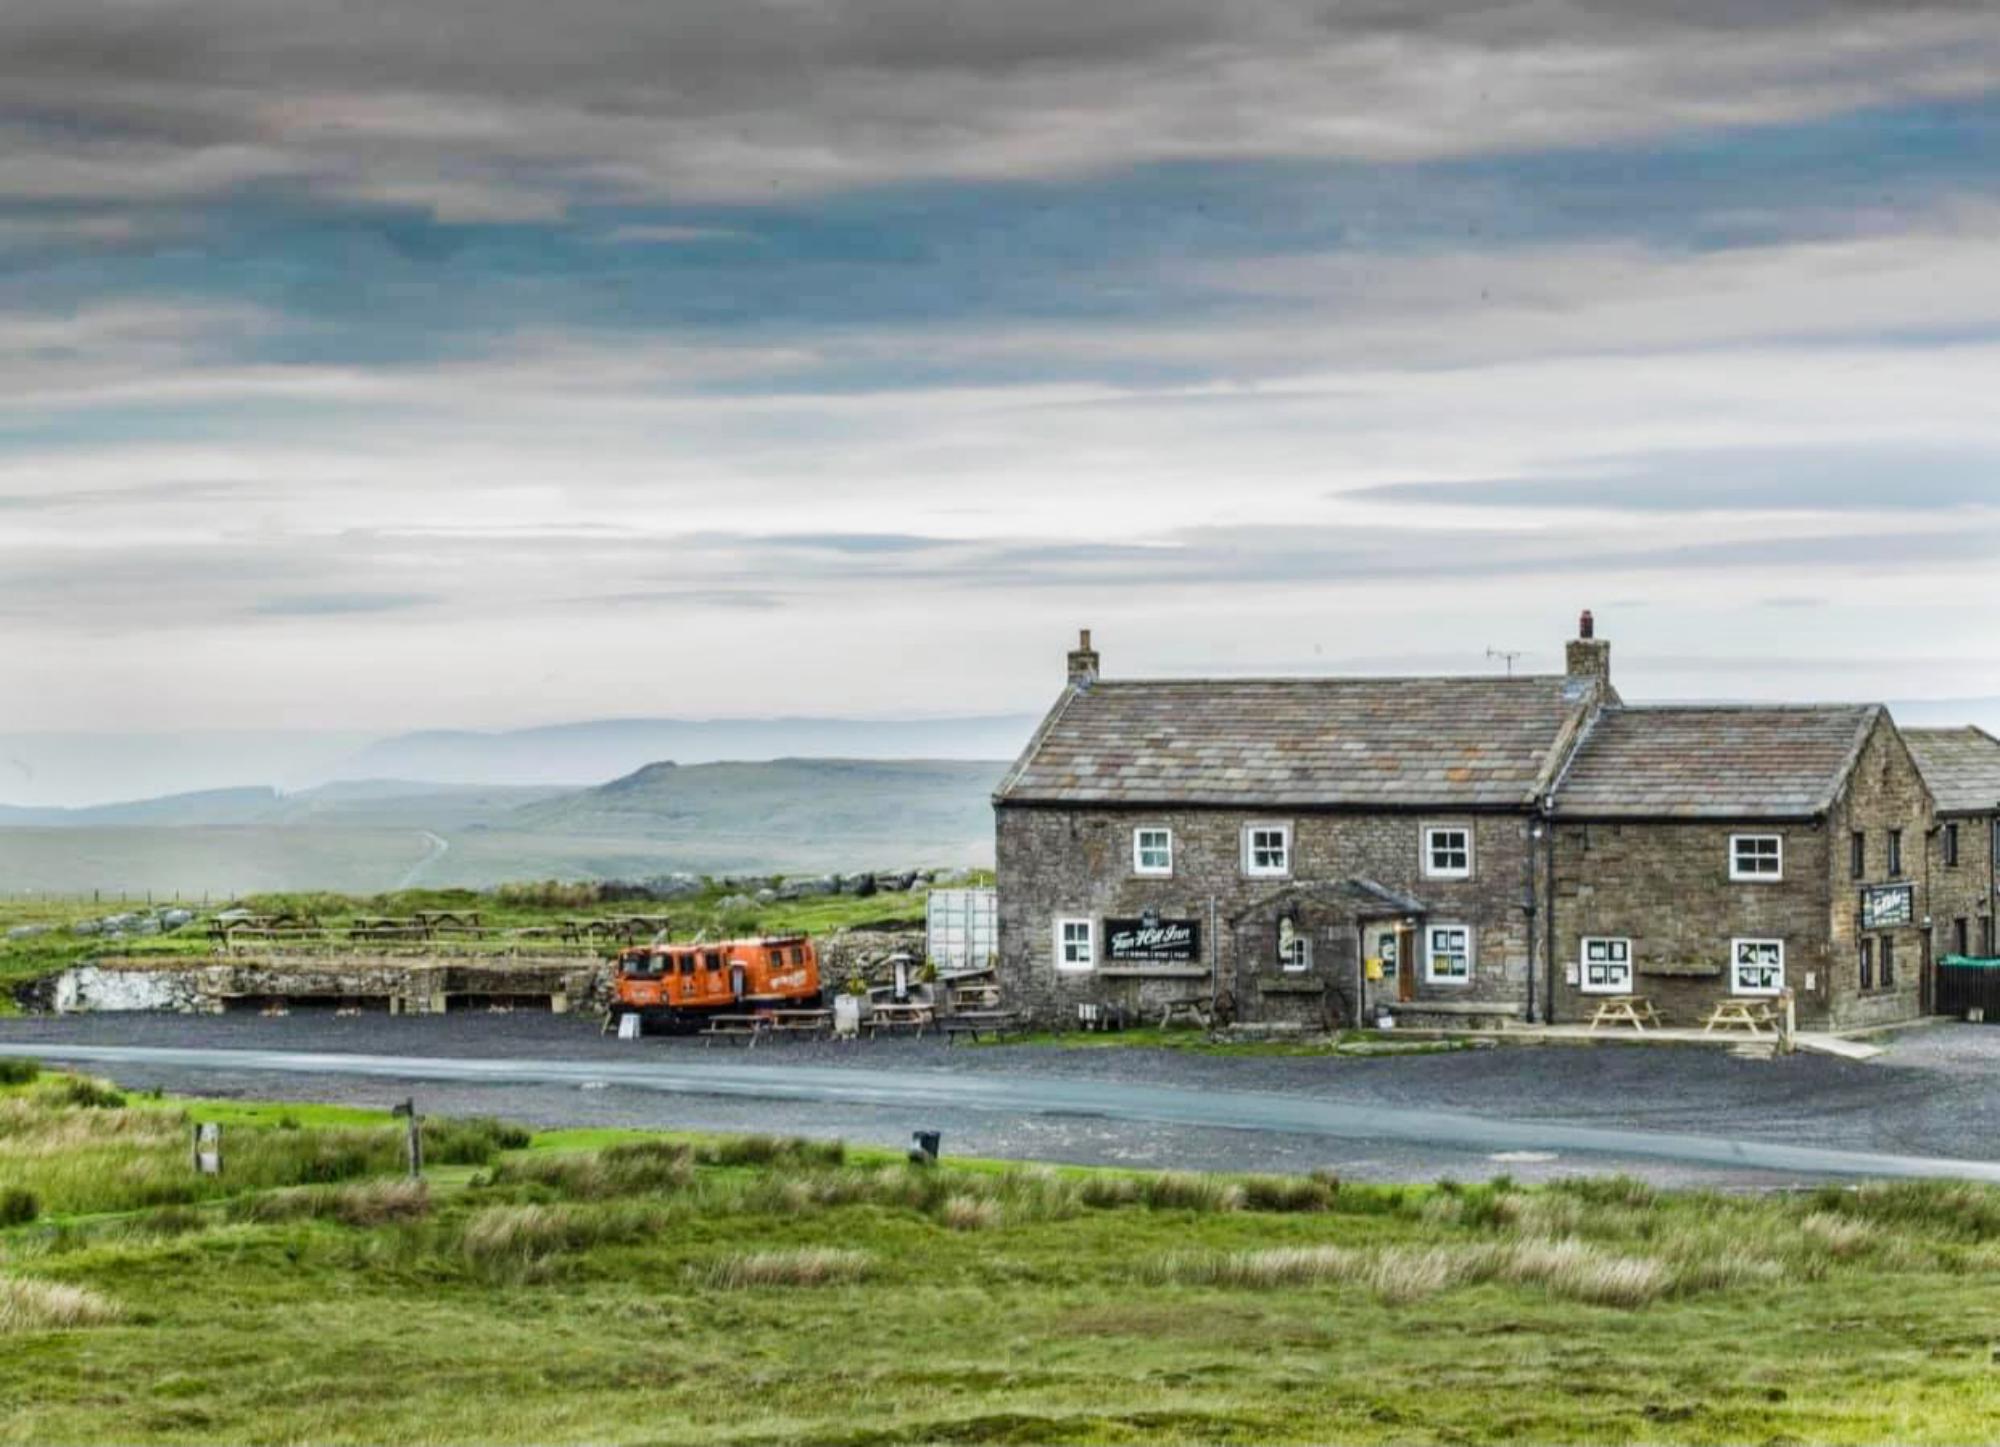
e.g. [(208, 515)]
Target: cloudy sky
[(493, 362)]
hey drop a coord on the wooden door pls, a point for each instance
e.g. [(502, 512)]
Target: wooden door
[(1406, 962)]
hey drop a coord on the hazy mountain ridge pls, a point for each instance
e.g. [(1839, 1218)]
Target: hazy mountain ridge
[(786, 815)]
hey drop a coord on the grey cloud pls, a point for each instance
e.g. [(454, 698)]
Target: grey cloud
[(1850, 479), (315, 605), (521, 104)]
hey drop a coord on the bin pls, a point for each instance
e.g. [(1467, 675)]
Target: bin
[(1966, 983)]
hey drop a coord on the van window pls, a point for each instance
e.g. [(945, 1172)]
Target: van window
[(687, 964), (711, 961)]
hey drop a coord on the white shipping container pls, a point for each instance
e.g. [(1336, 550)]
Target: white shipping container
[(963, 927)]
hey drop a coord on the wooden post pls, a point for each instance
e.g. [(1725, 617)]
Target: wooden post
[(414, 1150), (1788, 1021)]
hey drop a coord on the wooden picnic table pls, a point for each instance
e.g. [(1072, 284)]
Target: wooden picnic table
[(890, 1016), (976, 1022), (1634, 1010), (1751, 1015), (744, 1027), (1192, 1008), (980, 996), (812, 1023)]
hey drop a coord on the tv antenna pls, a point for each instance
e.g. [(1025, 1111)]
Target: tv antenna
[(1510, 654)]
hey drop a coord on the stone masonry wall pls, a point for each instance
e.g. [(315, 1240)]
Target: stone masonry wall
[(1964, 892), (1884, 792), (1665, 886), (1060, 862)]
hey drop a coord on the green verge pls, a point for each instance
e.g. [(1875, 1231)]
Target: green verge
[(618, 1287)]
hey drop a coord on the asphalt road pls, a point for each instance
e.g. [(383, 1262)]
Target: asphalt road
[(1677, 1116)]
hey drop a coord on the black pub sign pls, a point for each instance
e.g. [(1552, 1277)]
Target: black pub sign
[(1152, 941)]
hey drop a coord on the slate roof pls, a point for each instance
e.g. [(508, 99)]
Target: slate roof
[(1383, 742), (1713, 762), (1961, 767)]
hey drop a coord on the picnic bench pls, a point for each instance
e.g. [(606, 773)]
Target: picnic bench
[(1634, 1010), (982, 995), (1751, 1015), (746, 1028), (813, 1024), (890, 1016), (996, 1023), (1099, 1015), (1192, 1008)]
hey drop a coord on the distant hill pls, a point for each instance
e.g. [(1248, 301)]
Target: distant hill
[(875, 805), (784, 816), (591, 752)]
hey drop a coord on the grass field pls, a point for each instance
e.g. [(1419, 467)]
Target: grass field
[(28, 958), (609, 1287)]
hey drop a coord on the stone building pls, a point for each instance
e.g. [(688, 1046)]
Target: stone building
[(1456, 851), (1261, 841), (1962, 769), (1699, 853)]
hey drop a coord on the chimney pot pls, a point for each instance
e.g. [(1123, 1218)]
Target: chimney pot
[(1586, 626), (1588, 656)]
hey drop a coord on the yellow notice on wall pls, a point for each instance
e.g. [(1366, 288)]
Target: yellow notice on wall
[(1372, 966)]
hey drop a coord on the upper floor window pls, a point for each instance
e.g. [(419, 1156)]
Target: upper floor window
[(1447, 853), (1152, 851), (1857, 855), (1756, 856), (1448, 961), (1074, 945), (1895, 853), (1951, 845), (1267, 849)]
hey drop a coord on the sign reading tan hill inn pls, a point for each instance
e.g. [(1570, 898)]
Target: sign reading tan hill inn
[(1152, 941)]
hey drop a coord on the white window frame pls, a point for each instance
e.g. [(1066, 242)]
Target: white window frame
[(1736, 985), (1431, 976), (1303, 959), (1758, 876), (1088, 958), (1139, 865), (1251, 868), (1616, 952), (1429, 860)]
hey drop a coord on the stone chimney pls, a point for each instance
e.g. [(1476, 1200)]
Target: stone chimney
[(1082, 662), (1587, 655)]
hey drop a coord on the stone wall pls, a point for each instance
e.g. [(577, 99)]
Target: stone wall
[(1665, 886), (1963, 892), (1059, 862), (1884, 792)]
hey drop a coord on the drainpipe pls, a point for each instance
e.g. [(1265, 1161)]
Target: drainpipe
[(1214, 963), (1528, 909), (1549, 916)]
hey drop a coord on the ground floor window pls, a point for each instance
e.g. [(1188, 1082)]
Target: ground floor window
[(1607, 966), (1448, 960), (1757, 967), (1295, 953), (1867, 964), (1074, 945), (1888, 962)]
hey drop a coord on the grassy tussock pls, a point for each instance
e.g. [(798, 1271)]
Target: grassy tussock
[(1170, 1191), (27, 1304), (363, 1203), (500, 1235), (764, 1150), (1953, 1210), (1571, 1269), (813, 1266), (970, 1213), (18, 1072), (641, 1168)]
